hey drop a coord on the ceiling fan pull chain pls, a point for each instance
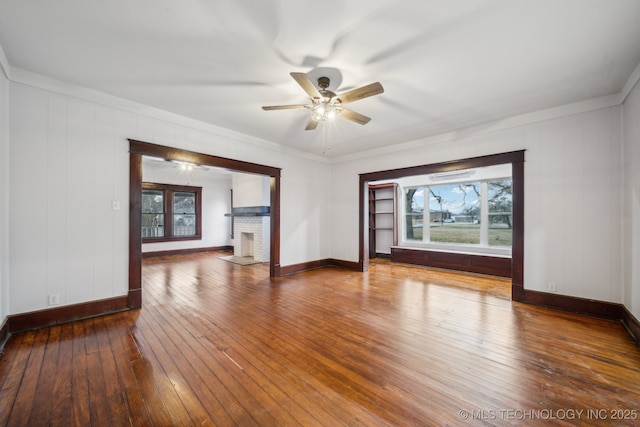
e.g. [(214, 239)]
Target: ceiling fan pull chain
[(324, 138)]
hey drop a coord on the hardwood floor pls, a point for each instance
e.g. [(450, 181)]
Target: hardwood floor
[(221, 344)]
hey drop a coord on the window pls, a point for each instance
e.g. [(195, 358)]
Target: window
[(170, 212), (153, 213), (454, 211), (414, 211), (184, 213), (500, 212), (451, 210)]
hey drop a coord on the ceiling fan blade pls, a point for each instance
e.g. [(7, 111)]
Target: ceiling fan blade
[(361, 92), (312, 124), (354, 117), (305, 83), (284, 107)]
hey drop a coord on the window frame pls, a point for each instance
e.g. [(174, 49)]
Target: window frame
[(169, 190)]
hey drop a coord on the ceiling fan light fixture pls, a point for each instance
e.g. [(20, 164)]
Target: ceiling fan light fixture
[(331, 113), (185, 166), (324, 112)]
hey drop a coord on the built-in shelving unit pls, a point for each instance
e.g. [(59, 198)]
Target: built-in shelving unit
[(383, 219)]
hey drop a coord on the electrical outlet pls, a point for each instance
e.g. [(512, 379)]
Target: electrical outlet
[(551, 287), (54, 299)]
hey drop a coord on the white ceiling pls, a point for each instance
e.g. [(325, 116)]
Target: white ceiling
[(445, 65)]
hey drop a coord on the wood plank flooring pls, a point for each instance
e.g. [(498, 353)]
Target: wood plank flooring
[(221, 344)]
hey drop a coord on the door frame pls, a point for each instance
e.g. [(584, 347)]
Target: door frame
[(138, 149), (515, 158)]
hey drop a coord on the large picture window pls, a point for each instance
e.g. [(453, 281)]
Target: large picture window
[(455, 211), (170, 212)]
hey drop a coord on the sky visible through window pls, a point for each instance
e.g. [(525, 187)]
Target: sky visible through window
[(456, 198)]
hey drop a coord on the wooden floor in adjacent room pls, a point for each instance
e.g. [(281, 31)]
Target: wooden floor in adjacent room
[(222, 344)]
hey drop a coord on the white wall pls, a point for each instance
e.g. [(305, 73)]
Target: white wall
[(251, 190), (632, 202), (69, 160), (573, 197), (4, 197), (216, 201), (306, 220)]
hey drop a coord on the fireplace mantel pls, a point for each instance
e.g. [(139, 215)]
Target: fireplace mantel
[(250, 211)]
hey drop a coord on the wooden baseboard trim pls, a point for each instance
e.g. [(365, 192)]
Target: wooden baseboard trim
[(349, 265), (287, 270), (4, 336), (595, 308), (186, 251), (589, 307), (631, 323), (69, 313), (135, 298), (321, 263)]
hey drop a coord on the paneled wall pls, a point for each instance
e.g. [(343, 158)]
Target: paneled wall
[(631, 221), (573, 197), (69, 162)]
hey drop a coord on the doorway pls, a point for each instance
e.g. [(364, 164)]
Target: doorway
[(138, 149), (515, 159)]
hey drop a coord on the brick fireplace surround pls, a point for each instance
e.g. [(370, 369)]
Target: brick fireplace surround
[(251, 232)]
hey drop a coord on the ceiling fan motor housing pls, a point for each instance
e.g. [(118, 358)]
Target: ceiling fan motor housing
[(323, 82)]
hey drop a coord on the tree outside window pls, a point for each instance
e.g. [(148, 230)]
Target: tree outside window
[(414, 213), (453, 213), (184, 214), (500, 202)]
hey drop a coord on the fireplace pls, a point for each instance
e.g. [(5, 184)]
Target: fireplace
[(246, 244), (252, 232)]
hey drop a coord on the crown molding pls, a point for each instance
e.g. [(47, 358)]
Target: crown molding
[(489, 127), (629, 85), (4, 64), (40, 81), (21, 76)]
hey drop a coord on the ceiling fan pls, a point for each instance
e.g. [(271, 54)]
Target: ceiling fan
[(326, 105)]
